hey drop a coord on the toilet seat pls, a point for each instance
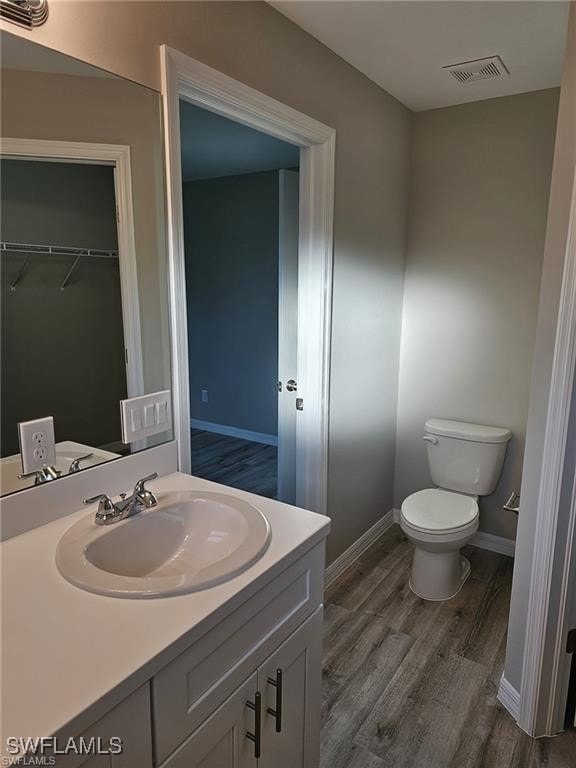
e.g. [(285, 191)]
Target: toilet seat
[(435, 511)]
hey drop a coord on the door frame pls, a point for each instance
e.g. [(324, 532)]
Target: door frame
[(195, 82), (546, 665), (117, 156)]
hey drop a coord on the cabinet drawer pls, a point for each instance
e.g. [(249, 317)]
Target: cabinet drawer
[(190, 688)]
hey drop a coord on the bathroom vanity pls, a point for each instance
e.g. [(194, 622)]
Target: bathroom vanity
[(226, 676)]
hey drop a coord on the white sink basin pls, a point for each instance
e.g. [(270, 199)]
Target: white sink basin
[(189, 541)]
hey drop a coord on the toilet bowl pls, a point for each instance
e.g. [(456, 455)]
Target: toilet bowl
[(439, 523)]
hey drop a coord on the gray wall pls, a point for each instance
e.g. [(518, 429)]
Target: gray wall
[(255, 44), (231, 246), (69, 204), (563, 177), (62, 351), (480, 184)]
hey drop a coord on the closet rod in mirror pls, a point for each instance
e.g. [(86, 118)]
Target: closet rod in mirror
[(30, 249)]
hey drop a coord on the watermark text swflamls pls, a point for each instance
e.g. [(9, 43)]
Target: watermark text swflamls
[(43, 750)]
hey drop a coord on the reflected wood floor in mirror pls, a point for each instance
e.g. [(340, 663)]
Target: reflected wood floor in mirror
[(412, 684), (238, 463)]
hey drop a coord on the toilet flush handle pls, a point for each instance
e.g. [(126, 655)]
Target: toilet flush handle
[(430, 439)]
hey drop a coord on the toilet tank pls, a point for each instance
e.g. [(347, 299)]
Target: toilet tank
[(464, 457)]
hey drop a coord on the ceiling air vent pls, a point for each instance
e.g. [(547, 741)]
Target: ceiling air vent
[(480, 69)]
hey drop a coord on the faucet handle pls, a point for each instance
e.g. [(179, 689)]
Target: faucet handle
[(106, 509), (105, 502), (75, 465), (143, 494), (43, 475)]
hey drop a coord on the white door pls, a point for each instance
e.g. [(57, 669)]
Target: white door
[(287, 333), (226, 739)]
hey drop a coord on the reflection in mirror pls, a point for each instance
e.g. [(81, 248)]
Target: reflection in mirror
[(83, 257)]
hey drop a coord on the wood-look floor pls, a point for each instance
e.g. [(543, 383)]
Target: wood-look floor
[(412, 684), (238, 463)]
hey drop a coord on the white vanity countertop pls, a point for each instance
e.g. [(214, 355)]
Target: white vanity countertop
[(66, 651)]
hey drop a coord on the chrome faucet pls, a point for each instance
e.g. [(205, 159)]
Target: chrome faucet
[(44, 475), (110, 512)]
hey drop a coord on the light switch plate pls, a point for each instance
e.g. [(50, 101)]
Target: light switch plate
[(146, 415), (37, 444)]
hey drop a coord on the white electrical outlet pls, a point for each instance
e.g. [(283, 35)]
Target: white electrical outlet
[(204, 393), (37, 444), (145, 416)]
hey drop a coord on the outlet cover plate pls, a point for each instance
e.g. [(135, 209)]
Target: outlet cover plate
[(37, 444), (146, 415)]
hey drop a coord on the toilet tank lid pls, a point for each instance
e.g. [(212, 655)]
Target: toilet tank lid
[(463, 430)]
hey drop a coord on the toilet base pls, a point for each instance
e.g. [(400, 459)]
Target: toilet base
[(438, 576)]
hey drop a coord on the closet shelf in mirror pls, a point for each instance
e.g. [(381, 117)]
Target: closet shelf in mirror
[(29, 249)]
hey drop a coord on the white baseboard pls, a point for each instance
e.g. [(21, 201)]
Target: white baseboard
[(509, 697), (349, 557), (494, 543), (243, 434), (334, 570)]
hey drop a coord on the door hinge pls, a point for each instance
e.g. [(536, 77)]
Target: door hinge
[(299, 403), (571, 641)]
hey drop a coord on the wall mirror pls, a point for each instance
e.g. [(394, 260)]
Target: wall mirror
[(83, 257)]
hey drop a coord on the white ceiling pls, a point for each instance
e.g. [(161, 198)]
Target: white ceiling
[(402, 46)]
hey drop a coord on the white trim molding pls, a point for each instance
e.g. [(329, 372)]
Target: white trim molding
[(117, 156), (357, 549), (243, 434), (509, 697), (190, 80), (499, 544), (545, 660)]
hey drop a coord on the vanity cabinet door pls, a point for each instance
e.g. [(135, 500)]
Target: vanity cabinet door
[(290, 683), (221, 741)]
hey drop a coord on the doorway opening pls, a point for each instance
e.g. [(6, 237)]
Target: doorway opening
[(240, 205), (190, 81)]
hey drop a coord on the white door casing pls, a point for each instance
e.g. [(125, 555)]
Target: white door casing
[(188, 79), (545, 663)]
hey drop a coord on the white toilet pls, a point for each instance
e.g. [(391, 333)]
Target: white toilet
[(465, 462)]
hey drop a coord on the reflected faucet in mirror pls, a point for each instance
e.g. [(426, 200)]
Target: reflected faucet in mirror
[(46, 474)]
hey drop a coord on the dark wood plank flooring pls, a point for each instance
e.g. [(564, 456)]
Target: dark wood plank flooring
[(238, 463), (412, 684)]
